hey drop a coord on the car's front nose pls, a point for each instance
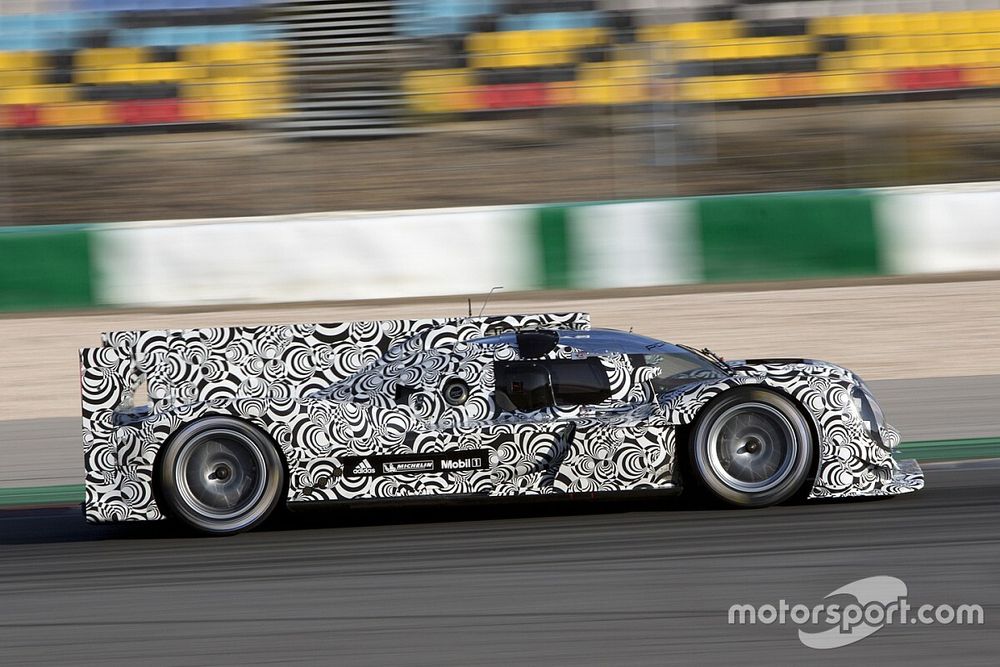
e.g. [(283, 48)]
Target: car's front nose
[(898, 475)]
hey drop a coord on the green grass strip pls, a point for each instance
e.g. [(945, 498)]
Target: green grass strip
[(27, 496), (951, 450)]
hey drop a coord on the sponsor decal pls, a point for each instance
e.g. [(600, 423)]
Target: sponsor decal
[(398, 467), (408, 464), (471, 463)]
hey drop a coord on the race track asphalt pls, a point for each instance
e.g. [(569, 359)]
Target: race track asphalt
[(633, 583)]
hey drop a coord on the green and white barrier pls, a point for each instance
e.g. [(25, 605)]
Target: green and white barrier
[(345, 256)]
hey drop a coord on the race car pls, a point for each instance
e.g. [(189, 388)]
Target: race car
[(241, 419)]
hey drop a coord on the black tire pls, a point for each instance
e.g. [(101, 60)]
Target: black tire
[(220, 476), (751, 447)]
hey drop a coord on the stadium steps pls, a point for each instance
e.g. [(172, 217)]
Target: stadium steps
[(346, 59)]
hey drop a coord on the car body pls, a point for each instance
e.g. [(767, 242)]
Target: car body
[(490, 406)]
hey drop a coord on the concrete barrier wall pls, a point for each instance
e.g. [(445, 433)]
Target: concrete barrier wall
[(345, 256)]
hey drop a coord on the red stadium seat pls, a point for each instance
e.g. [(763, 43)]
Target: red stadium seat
[(21, 115)]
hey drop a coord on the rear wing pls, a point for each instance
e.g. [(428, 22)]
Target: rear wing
[(184, 366)]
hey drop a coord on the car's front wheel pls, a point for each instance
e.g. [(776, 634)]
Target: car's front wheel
[(220, 476), (751, 448)]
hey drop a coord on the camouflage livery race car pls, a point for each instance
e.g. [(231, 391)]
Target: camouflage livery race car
[(240, 419)]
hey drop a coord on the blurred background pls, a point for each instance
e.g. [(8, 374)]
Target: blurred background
[(116, 110), (210, 156)]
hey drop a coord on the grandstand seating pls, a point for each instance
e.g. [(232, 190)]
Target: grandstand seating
[(78, 63), (523, 55)]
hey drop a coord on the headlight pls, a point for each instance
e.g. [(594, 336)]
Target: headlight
[(868, 410)]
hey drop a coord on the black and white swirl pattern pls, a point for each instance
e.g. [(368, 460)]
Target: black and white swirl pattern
[(328, 391)]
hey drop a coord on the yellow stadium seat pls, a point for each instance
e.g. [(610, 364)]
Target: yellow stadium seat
[(927, 59), (271, 51), (719, 49), (773, 47), (563, 93), (895, 43), (955, 23), (19, 78), (37, 95), (97, 58), (200, 54), (515, 49), (119, 74), (207, 54), (888, 24), (77, 114), (623, 82), (923, 23), (824, 25), (987, 21), (869, 82), (835, 61), (898, 60), (529, 48), (232, 51), (800, 84), (235, 109), (727, 88), (989, 39), (868, 61), (654, 33), (229, 69), (695, 89), (928, 42), (696, 31), (481, 48), (860, 24), (438, 91), (22, 60), (545, 48), (195, 90), (706, 30), (839, 83), (985, 76), (962, 40), (166, 72), (970, 57)]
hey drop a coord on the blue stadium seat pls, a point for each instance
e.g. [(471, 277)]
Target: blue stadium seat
[(428, 18), (160, 5), (187, 35)]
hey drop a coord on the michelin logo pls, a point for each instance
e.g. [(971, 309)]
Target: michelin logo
[(398, 467), (462, 464)]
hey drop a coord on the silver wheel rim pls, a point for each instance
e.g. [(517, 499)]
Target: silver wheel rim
[(221, 475), (752, 447)]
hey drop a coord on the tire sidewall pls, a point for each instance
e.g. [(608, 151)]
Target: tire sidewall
[(254, 515), (715, 486)]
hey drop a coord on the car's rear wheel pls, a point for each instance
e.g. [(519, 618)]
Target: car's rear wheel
[(751, 448), (220, 476)]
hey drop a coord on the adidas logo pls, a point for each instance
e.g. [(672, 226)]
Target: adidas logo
[(364, 468)]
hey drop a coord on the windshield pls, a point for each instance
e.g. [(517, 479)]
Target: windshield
[(680, 368), (678, 364)]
